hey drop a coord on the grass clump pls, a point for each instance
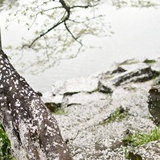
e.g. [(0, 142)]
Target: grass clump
[(148, 61), (119, 114), (59, 111), (138, 139), (4, 146), (55, 108)]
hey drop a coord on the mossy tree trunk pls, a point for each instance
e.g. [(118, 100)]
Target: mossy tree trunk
[(30, 126)]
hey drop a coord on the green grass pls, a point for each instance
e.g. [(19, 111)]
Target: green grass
[(5, 146), (138, 138), (59, 111), (148, 61), (55, 108), (117, 115)]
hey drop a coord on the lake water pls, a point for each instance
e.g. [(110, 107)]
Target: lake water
[(136, 35)]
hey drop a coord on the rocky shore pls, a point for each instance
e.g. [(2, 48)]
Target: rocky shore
[(98, 114)]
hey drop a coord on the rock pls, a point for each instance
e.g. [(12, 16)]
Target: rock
[(150, 151), (139, 75), (134, 156), (155, 66), (83, 98), (99, 146), (76, 85), (119, 69), (156, 82), (125, 65), (52, 106), (105, 86), (134, 64), (154, 103), (130, 62), (90, 102), (116, 69), (52, 102), (49, 98)]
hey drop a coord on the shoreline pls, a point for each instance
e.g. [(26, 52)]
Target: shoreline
[(85, 107)]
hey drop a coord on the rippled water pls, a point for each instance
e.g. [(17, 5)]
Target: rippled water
[(136, 35)]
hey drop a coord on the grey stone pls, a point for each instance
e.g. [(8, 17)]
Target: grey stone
[(83, 98), (154, 104), (156, 82), (119, 69), (105, 86), (149, 151), (132, 64), (87, 107), (75, 85), (49, 98), (138, 75)]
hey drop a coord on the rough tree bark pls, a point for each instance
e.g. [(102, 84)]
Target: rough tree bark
[(30, 126)]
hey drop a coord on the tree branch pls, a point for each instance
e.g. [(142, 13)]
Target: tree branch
[(86, 6), (75, 38), (63, 20)]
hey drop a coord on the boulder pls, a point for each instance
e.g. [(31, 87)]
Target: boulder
[(75, 85), (154, 104), (139, 75), (105, 86), (149, 151), (49, 98), (119, 69), (156, 82), (83, 98)]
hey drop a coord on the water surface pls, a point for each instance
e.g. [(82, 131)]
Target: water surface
[(136, 35)]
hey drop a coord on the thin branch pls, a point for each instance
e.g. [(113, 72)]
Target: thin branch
[(34, 20), (43, 34), (75, 38), (40, 12), (64, 18), (86, 6), (53, 8), (84, 21)]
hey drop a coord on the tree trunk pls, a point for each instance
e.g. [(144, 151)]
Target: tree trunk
[(30, 126)]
